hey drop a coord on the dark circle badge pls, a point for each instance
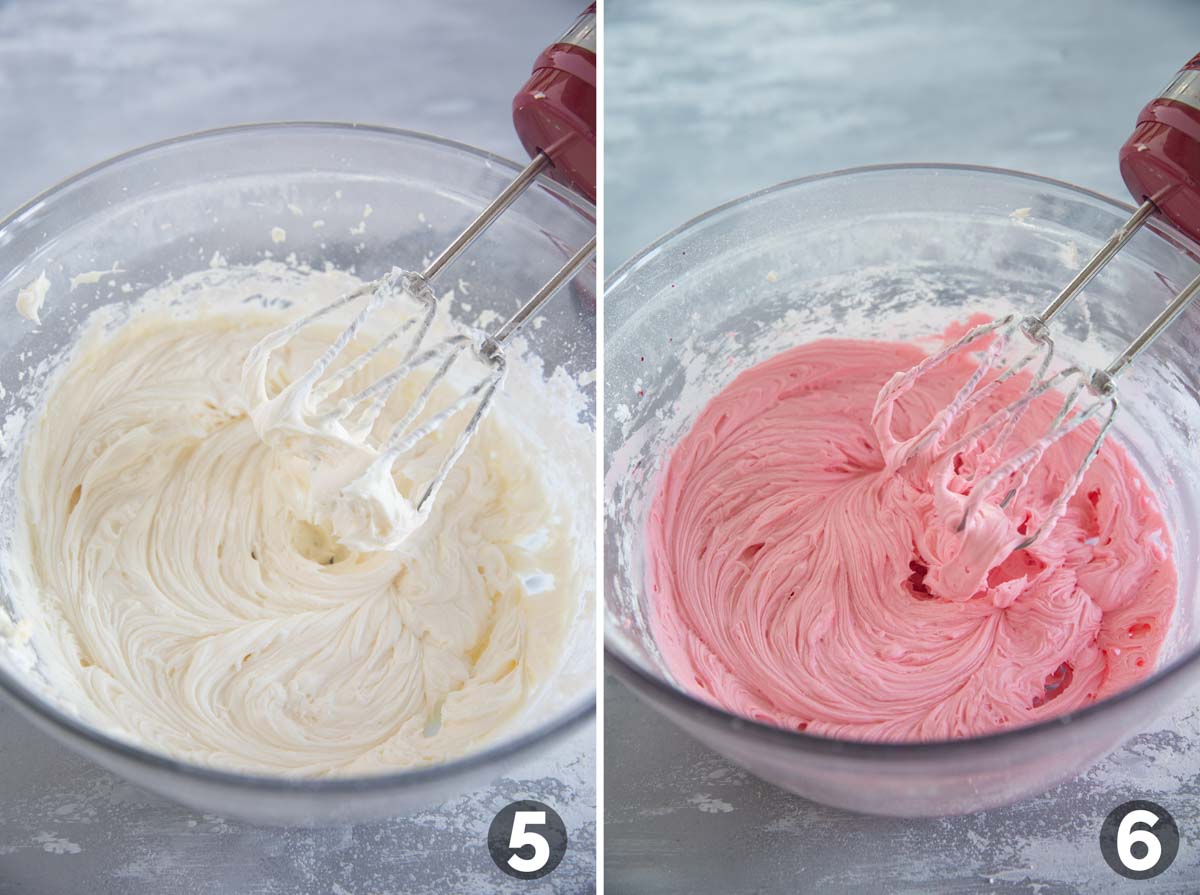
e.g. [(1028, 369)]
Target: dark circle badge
[(527, 839), (1139, 839)]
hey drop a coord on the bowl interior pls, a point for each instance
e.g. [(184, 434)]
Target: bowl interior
[(884, 253), (361, 199)]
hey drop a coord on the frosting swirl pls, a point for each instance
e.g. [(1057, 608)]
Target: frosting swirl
[(800, 578)]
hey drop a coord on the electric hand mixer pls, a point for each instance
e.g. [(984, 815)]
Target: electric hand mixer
[(554, 114), (1160, 163)]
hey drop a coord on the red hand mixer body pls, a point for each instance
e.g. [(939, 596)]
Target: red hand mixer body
[(1160, 161), (555, 112)]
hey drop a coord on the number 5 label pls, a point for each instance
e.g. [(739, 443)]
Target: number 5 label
[(527, 839), (1139, 839), (522, 837)]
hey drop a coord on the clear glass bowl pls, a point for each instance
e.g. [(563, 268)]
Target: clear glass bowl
[(891, 252), (163, 211)]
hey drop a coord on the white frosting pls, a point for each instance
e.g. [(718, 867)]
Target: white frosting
[(91, 277), (32, 297), (309, 413), (189, 590), (370, 513)]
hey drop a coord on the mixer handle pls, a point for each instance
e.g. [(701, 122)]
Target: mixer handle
[(555, 112), (1160, 162)]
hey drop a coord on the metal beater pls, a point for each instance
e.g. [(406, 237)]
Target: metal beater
[(554, 115), (1160, 164)]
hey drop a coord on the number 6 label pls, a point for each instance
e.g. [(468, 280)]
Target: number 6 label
[(1139, 839), (527, 840)]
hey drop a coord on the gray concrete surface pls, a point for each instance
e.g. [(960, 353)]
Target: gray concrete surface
[(706, 102), (80, 81)]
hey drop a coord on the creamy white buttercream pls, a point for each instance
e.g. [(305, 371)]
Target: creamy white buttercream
[(32, 297), (188, 590)]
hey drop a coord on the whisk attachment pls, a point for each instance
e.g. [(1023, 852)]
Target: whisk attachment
[(405, 436), (342, 396), (1085, 395), (1012, 471), (992, 340), (301, 406), (554, 115), (997, 460)]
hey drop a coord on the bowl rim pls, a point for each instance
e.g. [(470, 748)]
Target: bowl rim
[(629, 670), (489, 753), (288, 125)]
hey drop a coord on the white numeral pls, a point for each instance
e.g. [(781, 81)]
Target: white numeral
[(541, 848), (1127, 836)]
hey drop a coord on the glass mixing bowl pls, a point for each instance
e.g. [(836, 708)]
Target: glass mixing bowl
[(163, 211), (891, 252)]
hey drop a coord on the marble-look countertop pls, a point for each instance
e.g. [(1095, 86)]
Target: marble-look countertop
[(706, 102), (80, 81)]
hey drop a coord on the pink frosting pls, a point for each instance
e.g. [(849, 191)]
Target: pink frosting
[(799, 578)]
